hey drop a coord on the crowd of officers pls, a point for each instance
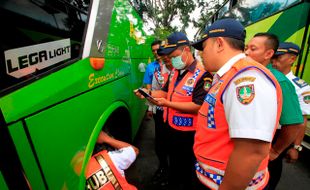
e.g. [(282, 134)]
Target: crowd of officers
[(228, 121)]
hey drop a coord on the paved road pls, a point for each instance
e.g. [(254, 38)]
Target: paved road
[(295, 176)]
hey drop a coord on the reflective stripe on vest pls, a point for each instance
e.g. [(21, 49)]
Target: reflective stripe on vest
[(161, 79), (213, 179), (183, 92), (101, 174), (213, 145)]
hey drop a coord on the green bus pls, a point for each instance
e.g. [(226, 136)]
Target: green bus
[(288, 19), (67, 71)]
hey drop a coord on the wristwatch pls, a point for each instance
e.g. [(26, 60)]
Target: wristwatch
[(298, 147)]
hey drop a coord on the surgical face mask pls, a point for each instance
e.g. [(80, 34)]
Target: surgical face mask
[(177, 62)]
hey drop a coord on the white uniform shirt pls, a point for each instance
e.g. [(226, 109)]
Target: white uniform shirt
[(302, 91), (255, 120), (123, 158)]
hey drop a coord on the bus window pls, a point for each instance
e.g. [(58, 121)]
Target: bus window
[(39, 36), (223, 10), (250, 11)]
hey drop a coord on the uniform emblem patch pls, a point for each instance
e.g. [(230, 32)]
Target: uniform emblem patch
[(244, 79), (306, 97), (190, 82), (207, 85), (245, 94)]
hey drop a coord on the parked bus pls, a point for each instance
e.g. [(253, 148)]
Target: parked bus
[(67, 71), (288, 19)]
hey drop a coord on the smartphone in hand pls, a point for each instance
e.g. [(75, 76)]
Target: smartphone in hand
[(146, 95)]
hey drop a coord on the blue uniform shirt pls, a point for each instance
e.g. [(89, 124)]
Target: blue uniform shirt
[(150, 69)]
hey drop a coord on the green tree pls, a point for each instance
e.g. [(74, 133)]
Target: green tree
[(161, 13)]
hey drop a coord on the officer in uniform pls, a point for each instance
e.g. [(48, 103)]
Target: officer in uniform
[(181, 98), (105, 170), (150, 69), (262, 48), (160, 78), (284, 59), (237, 120)]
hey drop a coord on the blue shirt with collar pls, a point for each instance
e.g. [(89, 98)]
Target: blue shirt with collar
[(149, 72)]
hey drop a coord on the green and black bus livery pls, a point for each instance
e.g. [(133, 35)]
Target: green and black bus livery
[(68, 69)]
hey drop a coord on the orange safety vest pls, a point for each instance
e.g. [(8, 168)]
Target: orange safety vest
[(102, 174), (161, 77), (182, 92), (213, 144)]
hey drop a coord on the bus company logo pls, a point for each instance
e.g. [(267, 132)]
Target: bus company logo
[(26, 60), (94, 80)]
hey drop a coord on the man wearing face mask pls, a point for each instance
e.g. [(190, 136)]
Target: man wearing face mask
[(181, 98)]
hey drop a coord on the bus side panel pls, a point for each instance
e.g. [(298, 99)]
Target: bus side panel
[(3, 185), (61, 133), (305, 73), (26, 156), (136, 82), (128, 42), (283, 24), (305, 62)]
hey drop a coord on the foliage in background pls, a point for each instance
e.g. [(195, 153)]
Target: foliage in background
[(161, 13)]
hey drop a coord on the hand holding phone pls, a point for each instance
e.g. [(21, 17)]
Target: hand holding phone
[(146, 95)]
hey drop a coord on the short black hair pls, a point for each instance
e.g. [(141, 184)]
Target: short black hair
[(235, 43), (156, 42), (272, 40)]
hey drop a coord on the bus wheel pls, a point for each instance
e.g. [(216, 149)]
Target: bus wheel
[(119, 125)]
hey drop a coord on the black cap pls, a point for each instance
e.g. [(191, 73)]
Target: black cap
[(172, 42), (227, 27), (287, 47)]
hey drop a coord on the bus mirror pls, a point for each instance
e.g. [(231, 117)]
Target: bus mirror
[(97, 63)]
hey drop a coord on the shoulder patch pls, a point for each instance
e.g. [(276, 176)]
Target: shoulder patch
[(306, 97), (207, 83), (245, 93), (299, 82), (244, 79)]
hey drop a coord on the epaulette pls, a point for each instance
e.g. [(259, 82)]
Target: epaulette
[(299, 82)]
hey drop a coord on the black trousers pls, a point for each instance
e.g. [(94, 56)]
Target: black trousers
[(275, 167), (182, 161), (161, 138)]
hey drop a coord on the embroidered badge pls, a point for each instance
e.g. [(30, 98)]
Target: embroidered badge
[(190, 82), (245, 93), (215, 88), (208, 83), (299, 82), (189, 86), (306, 97), (244, 79)]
